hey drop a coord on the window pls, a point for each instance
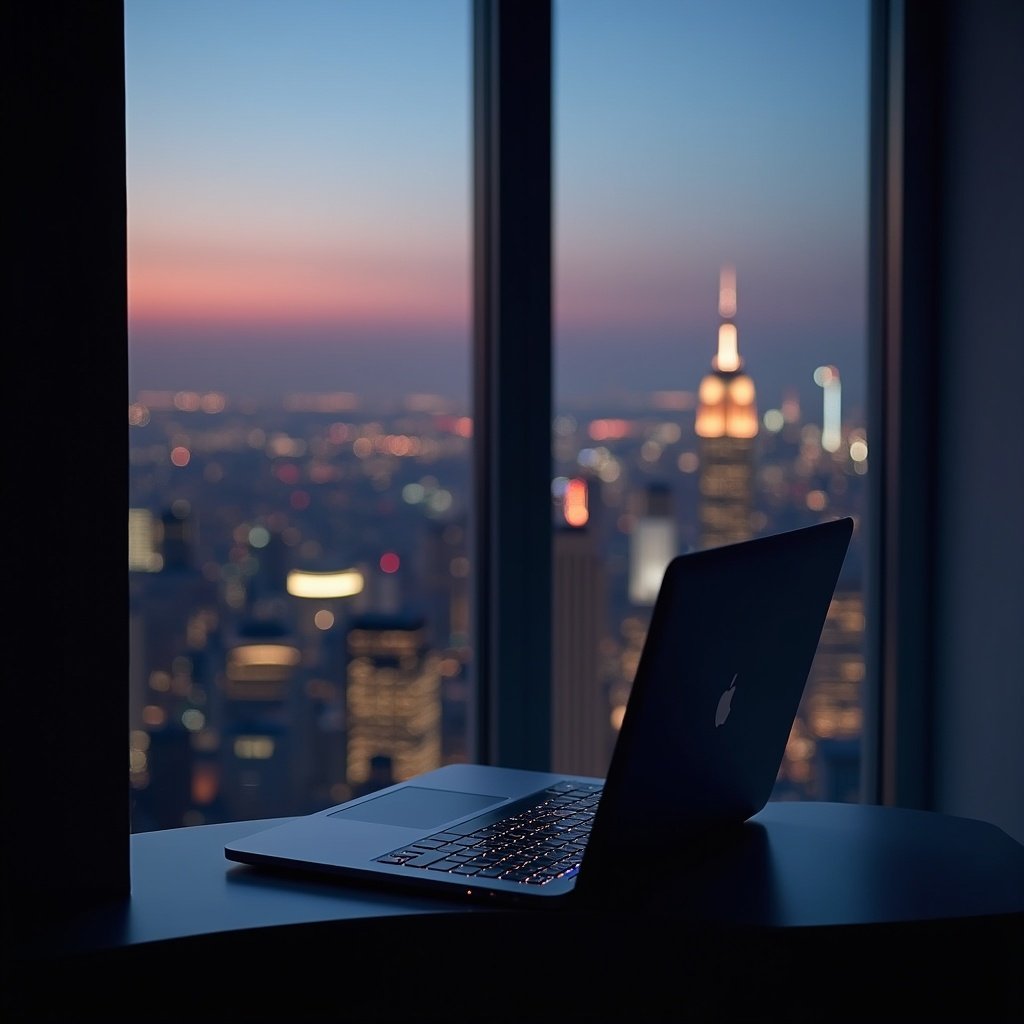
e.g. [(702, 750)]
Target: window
[(711, 229), (299, 420), (300, 423)]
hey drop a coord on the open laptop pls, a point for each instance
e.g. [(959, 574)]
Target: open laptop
[(728, 650)]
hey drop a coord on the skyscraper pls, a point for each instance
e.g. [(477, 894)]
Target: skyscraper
[(257, 701), (172, 623), (393, 698), (726, 424), (834, 696), (581, 739), (652, 543)]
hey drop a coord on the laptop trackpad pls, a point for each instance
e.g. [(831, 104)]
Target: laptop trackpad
[(416, 807)]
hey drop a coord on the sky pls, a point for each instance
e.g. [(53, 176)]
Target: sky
[(299, 193)]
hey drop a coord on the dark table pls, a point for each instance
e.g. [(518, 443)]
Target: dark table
[(812, 911)]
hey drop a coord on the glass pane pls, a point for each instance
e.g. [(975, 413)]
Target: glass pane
[(298, 188), (711, 193)]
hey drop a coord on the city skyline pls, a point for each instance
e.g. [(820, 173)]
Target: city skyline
[(244, 685), (299, 188)]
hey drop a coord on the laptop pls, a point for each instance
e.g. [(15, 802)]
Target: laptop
[(729, 646)]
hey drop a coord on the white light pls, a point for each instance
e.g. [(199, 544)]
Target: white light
[(259, 537), (321, 585), (193, 719), (653, 544), (827, 378), (728, 358)]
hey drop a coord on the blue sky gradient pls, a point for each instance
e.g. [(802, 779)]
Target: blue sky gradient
[(300, 192)]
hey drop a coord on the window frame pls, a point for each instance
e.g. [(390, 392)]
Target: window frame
[(906, 50), (512, 380), (65, 765)]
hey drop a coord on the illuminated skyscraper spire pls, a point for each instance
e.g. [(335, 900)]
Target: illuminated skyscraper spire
[(727, 425), (728, 357)]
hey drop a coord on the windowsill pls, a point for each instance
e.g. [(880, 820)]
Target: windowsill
[(799, 865), (805, 884)]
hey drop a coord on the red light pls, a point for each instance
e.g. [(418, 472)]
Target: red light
[(575, 503), (389, 562)]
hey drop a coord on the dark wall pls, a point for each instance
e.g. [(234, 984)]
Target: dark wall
[(65, 694), (979, 628)]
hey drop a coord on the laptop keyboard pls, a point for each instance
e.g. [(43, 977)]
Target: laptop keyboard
[(533, 841)]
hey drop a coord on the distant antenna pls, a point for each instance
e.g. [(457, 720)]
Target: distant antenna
[(727, 293), (728, 357)]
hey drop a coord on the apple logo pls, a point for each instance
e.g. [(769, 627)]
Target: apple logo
[(725, 703)]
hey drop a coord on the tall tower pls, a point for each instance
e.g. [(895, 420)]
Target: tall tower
[(726, 424), (581, 740), (172, 620), (258, 696)]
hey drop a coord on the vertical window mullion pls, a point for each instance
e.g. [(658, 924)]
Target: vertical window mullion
[(512, 380), (906, 39)]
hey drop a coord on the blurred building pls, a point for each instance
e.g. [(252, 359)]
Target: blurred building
[(260, 695), (653, 543), (834, 702), (392, 698), (445, 582), (581, 731), (172, 625), (726, 426)]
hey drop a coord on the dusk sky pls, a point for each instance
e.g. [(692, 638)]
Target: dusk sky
[(299, 193)]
